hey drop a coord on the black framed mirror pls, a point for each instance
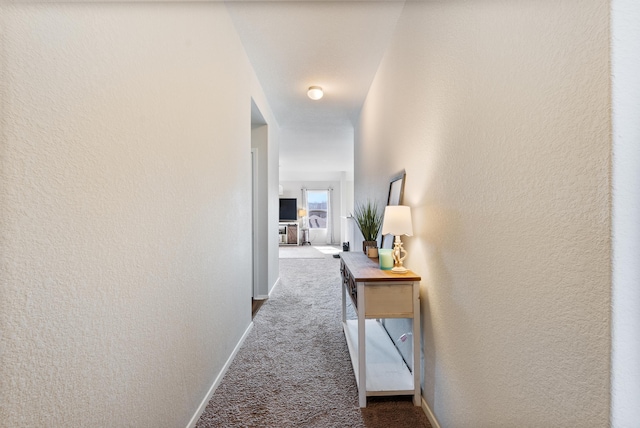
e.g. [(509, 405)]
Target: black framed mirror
[(396, 193)]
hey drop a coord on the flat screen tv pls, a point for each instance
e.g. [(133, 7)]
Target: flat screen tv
[(288, 209)]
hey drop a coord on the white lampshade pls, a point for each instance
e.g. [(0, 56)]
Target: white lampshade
[(315, 92), (302, 212), (397, 220)]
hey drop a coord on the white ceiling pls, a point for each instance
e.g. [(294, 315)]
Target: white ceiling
[(296, 44)]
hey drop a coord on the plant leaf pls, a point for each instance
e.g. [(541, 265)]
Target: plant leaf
[(369, 219)]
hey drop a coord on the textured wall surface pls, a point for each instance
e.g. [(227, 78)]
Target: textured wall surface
[(125, 210), (499, 112), (625, 64), (260, 147)]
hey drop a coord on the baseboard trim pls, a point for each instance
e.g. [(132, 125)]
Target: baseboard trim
[(203, 405), (427, 411), (274, 286)]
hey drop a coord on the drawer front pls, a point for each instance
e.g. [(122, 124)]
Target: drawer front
[(349, 283), (388, 300)]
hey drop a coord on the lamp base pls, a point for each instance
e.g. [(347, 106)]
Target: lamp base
[(399, 254)]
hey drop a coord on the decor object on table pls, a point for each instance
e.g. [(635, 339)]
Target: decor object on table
[(385, 257), (369, 220), (397, 221)]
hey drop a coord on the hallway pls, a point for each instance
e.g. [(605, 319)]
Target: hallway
[(294, 368)]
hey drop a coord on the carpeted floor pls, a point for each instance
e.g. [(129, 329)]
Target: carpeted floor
[(299, 252), (294, 368)]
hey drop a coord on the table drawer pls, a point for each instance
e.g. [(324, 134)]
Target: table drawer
[(349, 283), (388, 300)]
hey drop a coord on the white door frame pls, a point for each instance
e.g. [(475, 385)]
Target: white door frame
[(255, 240)]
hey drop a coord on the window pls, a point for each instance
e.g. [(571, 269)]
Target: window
[(317, 202)]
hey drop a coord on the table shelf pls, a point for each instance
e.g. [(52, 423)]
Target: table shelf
[(386, 372)]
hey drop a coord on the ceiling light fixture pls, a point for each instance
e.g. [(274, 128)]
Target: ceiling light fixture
[(315, 92)]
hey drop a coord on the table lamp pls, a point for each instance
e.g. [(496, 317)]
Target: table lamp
[(397, 221), (302, 213)]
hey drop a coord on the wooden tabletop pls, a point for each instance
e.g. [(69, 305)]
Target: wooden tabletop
[(367, 269)]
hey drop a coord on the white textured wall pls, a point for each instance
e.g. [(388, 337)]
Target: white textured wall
[(321, 155), (269, 174), (346, 208), (260, 141), (500, 114), (273, 204), (125, 210), (625, 55)]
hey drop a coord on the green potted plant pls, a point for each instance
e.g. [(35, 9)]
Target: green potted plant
[(369, 220)]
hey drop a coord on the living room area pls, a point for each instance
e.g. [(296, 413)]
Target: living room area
[(315, 213)]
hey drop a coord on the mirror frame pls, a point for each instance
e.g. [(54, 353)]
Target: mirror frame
[(394, 197)]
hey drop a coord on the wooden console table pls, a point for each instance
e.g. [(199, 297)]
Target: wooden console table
[(378, 366)]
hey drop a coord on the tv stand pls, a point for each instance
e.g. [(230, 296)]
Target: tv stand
[(288, 233)]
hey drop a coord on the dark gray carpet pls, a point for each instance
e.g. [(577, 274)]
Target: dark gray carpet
[(294, 368)]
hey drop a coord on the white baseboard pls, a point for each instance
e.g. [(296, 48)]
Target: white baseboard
[(203, 405), (274, 286), (427, 411), (266, 296)]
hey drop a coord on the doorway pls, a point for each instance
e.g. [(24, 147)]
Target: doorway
[(259, 206)]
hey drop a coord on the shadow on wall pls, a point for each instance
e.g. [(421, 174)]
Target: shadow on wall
[(435, 229)]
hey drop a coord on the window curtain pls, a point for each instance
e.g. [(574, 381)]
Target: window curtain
[(329, 216)]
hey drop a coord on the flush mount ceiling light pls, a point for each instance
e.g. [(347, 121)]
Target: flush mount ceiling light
[(315, 92)]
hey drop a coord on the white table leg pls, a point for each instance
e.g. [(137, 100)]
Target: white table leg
[(362, 352), (344, 302), (417, 396)]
